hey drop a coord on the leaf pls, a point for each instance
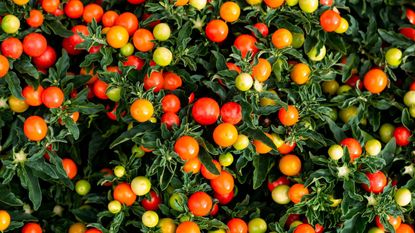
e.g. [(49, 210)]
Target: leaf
[(116, 222), (394, 38), (261, 136), (62, 65), (357, 224), (220, 60), (388, 151), (32, 183), (206, 160), (24, 66), (9, 198), (262, 165), (42, 167), (165, 177), (336, 130), (13, 84), (72, 127), (57, 28), (129, 134)]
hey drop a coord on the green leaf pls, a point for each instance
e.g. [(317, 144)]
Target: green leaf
[(261, 136), (357, 224), (8, 197), (219, 60), (262, 166), (117, 221), (71, 126), (57, 28), (62, 65), (206, 160), (135, 131), (24, 66), (32, 184), (388, 152), (394, 38), (13, 84), (336, 130)]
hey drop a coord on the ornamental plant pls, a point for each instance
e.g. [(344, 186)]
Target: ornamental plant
[(215, 116)]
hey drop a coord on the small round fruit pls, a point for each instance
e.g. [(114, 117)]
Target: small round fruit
[(82, 187), (280, 194), (282, 38), (290, 165), (244, 82), (226, 159), (150, 218), (403, 196), (241, 143), (225, 135), (142, 110), (291, 2), (393, 57), (162, 56), (300, 73), (70, 168), (353, 146), (330, 87), (375, 81), (297, 192), (141, 185), (224, 184), (308, 6), (200, 204), (186, 147), (117, 37), (217, 30), (167, 225), (77, 228), (32, 227), (386, 132), (188, 227), (335, 152), (162, 32), (205, 111), (5, 220), (127, 50), (17, 105), (402, 136), (4, 66), (114, 207), (346, 114), (35, 128), (257, 225), (343, 27), (409, 98), (119, 171), (405, 228), (53, 97), (10, 24), (124, 194), (375, 230), (315, 55), (198, 4), (330, 20), (114, 93), (373, 147), (289, 116), (304, 228), (298, 40), (230, 11), (377, 182)]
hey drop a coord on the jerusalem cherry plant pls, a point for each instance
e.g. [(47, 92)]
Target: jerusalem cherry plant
[(286, 116)]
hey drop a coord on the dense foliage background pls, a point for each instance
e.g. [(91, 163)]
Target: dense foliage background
[(109, 112)]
